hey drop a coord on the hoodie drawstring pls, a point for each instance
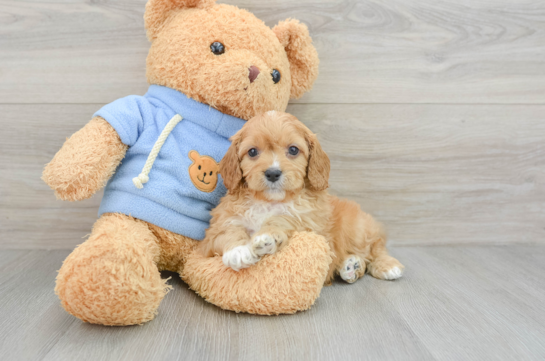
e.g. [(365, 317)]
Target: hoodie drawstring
[(143, 176)]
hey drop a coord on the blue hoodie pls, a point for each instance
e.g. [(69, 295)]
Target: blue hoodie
[(170, 199)]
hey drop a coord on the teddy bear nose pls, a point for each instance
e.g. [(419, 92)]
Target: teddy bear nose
[(254, 72)]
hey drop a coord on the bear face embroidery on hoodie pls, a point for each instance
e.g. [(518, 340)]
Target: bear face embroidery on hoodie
[(203, 171)]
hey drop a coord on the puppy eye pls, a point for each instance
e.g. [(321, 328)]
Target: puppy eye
[(217, 48), (275, 76), (293, 150), (252, 152)]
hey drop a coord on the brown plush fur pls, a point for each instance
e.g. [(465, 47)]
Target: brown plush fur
[(257, 208), (113, 278), (287, 282), (180, 57), (85, 162)]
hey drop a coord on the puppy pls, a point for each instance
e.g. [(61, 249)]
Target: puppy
[(277, 175)]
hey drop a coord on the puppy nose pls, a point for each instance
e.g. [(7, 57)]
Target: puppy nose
[(254, 72), (273, 174)]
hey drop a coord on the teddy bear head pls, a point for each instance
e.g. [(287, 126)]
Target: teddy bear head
[(227, 58)]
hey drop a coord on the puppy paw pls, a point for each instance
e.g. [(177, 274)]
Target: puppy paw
[(264, 244), (239, 257), (392, 274), (352, 269), (386, 268)]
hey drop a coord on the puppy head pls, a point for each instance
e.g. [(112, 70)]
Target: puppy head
[(274, 153)]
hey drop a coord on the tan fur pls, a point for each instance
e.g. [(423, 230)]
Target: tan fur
[(113, 277), (305, 204)]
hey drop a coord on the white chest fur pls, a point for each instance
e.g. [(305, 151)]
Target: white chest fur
[(259, 212)]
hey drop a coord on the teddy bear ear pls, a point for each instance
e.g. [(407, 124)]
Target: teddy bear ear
[(302, 55), (158, 12)]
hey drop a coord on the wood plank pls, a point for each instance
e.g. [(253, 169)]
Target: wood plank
[(462, 307), (433, 174), (31, 317), (470, 303), (371, 51)]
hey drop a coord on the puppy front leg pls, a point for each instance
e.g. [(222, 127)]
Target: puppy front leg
[(268, 240), (237, 253), (232, 244), (240, 257)]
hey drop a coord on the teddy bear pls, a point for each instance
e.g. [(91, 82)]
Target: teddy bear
[(210, 68)]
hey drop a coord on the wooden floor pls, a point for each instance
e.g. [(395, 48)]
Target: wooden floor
[(454, 303)]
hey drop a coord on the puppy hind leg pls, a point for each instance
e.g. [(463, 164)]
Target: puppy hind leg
[(352, 268), (382, 265)]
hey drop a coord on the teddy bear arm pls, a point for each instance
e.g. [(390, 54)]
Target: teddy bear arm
[(85, 162)]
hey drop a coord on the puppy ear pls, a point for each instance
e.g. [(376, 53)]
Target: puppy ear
[(302, 55), (158, 12), (318, 164), (230, 165)]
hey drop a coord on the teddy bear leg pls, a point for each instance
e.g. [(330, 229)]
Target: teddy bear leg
[(112, 278), (287, 281), (175, 248)]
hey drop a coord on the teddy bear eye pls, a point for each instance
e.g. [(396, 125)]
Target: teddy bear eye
[(275, 75), (217, 48), (210, 172), (293, 150), (199, 167), (252, 152)]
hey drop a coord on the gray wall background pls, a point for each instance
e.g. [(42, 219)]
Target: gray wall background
[(433, 112)]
